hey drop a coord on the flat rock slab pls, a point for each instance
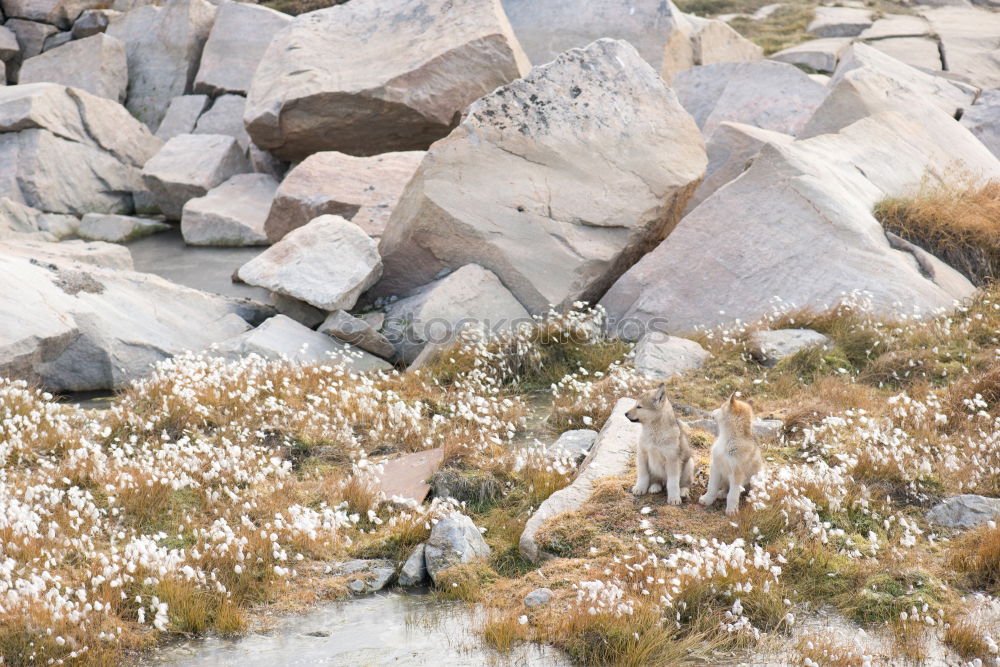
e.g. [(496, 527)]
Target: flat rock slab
[(231, 214), (407, 475), (118, 228), (983, 119), (840, 21), (920, 52), (182, 116), (819, 55), (610, 456), (281, 337), (965, 511), (96, 64)]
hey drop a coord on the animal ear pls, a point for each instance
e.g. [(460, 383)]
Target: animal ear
[(661, 394), (732, 398)]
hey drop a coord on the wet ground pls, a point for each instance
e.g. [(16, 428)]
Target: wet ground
[(382, 629)]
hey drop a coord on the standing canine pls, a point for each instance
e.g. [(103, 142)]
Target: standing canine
[(735, 455), (664, 455)]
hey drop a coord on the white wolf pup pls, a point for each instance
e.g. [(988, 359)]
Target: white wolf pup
[(735, 455), (663, 459)]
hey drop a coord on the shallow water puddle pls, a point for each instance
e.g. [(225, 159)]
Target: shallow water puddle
[(382, 629)]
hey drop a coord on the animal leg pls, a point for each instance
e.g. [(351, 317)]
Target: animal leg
[(733, 498), (687, 476), (714, 485), (673, 482), (642, 474)]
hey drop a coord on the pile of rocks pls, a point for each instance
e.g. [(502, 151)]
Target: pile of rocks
[(417, 176)]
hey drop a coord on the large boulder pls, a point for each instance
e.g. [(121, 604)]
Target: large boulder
[(858, 89), (164, 46), (438, 312), (454, 540), (231, 214), (816, 196), (95, 64), (63, 150), (9, 48), (514, 187), (770, 347), (769, 95), (71, 326), (92, 22), (920, 52), (328, 264), (281, 337), (59, 13), (969, 44), (357, 332), (730, 149), (239, 37), (983, 119), (188, 166), (17, 218), (363, 190), (395, 77)]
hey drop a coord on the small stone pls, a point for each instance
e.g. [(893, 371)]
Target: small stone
[(414, 570), (454, 540), (770, 347), (366, 576), (575, 443), (659, 356), (538, 597)]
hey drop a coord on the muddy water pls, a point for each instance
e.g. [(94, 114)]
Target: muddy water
[(381, 629)]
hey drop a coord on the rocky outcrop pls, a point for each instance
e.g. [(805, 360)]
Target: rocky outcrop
[(660, 357), (414, 570), (64, 150), (454, 540), (366, 576), (968, 40), (512, 188), (471, 297), (611, 454), (118, 228), (188, 166), (363, 190), (395, 78), (983, 119), (231, 214), (858, 89), (328, 264), (16, 218), (815, 195), (840, 21), (281, 337), (768, 95), (965, 511), (235, 46), (164, 46), (96, 64), (59, 13), (77, 327)]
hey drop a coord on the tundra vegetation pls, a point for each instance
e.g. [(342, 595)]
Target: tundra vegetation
[(214, 491)]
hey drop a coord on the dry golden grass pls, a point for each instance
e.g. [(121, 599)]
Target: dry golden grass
[(977, 555), (959, 223), (827, 651), (968, 638)]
